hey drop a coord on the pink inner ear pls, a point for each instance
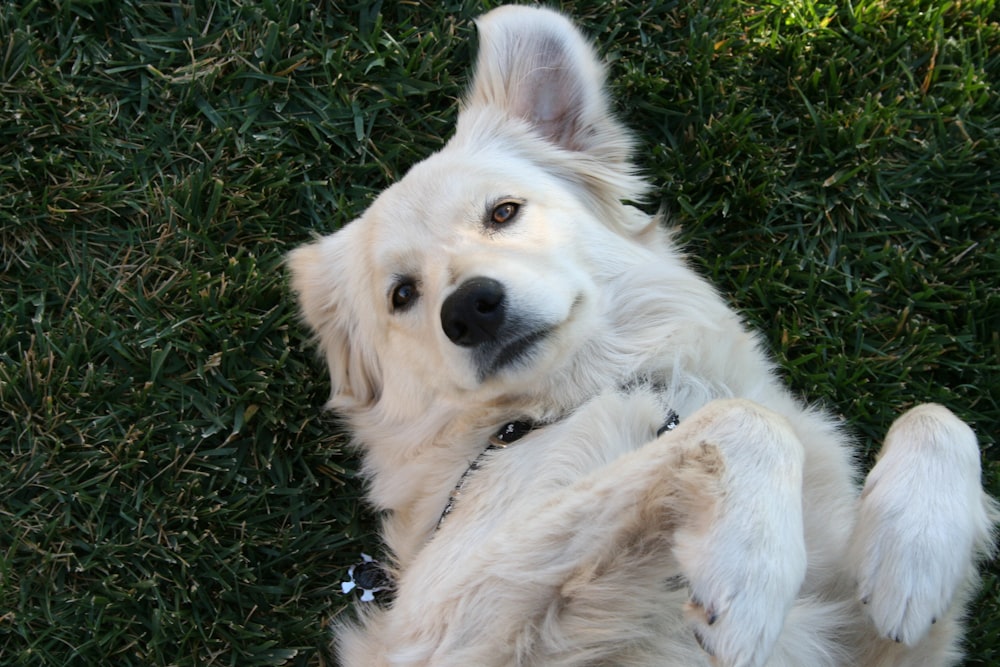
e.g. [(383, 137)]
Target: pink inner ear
[(551, 117), (546, 108), (549, 93)]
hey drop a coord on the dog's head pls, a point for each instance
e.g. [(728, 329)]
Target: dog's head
[(481, 271)]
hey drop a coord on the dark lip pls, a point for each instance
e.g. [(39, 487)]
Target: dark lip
[(508, 354)]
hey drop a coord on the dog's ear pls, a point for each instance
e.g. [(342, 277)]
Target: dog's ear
[(535, 64), (319, 272)]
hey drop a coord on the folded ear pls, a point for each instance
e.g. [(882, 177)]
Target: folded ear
[(535, 64), (318, 273)]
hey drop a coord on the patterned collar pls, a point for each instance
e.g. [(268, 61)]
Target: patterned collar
[(371, 577), (511, 432)]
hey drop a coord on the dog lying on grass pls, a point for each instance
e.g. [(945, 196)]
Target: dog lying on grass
[(585, 457)]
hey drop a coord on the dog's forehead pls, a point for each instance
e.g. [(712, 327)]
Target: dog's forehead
[(444, 196)]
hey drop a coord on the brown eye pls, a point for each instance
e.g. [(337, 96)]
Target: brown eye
[(504, 213), (404, 295)]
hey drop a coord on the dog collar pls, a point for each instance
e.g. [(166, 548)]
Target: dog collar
[(371, 577), (511, 432)]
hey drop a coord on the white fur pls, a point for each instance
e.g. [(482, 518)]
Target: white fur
[(592, 540)]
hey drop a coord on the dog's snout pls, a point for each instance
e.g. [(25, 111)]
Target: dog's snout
[(474, 312)]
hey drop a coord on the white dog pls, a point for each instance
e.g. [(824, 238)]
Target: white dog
[(668, 502)]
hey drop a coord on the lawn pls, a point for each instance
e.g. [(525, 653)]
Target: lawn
[(171, 492)]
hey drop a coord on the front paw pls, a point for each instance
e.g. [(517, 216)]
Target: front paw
[(737, 614), (744, 554)]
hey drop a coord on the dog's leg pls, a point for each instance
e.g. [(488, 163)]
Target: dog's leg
[(923, 518), (745, 558)]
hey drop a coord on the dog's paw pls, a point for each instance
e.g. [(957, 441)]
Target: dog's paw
[(737, 617), (743, 554), (922, 516), (910, 561), (901, 591)]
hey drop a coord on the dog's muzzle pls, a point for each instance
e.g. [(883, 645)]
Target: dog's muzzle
[(477, 316)]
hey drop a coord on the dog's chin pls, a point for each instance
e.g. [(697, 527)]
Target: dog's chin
[(506, 358)]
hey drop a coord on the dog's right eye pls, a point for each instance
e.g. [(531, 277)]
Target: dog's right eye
[(504, 213), (404, 295)]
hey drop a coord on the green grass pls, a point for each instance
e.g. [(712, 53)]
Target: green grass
[(170, 492)]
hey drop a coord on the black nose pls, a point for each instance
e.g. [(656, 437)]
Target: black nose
[(474, 312)]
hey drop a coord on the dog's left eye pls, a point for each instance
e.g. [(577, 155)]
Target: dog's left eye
[(504, 212)]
